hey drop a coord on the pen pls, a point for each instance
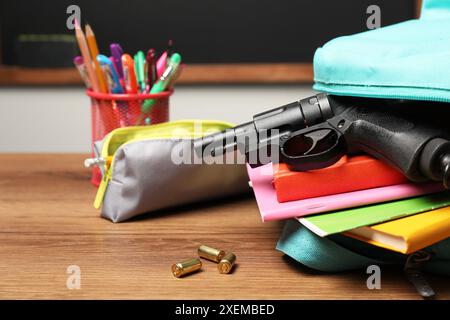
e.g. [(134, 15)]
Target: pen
[(129, 74), (175, 76), (163, 81), (151, 69), (116, 53), (86, 56), (93, 48), (78, 62), (162, 61), (130, 85), (110, 72), (139, 67), (161, 64), (112, 78)]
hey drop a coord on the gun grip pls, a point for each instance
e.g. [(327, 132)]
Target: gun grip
[(311, 149)]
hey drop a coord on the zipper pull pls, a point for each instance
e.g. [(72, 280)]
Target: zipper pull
[(97, 162), (94, 162), (413, 272), (102, 189)]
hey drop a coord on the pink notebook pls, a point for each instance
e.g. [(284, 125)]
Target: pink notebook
[(261, 180)]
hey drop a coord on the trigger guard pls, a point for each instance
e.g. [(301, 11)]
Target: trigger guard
[(307, 162)]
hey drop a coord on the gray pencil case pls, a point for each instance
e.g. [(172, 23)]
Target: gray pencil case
[(139, 174)]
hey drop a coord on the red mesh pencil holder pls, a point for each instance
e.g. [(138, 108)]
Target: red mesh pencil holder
[(111, 111)]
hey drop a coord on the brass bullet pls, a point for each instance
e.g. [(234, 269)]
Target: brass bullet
[(227, 262), (210, 253), (189, 266)]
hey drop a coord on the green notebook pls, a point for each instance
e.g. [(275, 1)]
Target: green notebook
[(340, 221)]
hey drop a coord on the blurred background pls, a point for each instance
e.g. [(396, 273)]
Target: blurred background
[(242, 57)]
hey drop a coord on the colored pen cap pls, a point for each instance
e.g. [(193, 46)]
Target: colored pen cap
[(110, 73), (151, 55), (129, 73), (161, 64), (116, 53), (172, 66), (79, 64), (140, 54), (175, 58), (139, 68), (150, 72), (78, 60), (102, 59)]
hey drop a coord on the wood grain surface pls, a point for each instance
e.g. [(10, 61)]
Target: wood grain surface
[(229, 73), (47, 223)]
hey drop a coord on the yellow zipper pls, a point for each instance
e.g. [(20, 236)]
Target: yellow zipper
[(174, 130), (102, 189)]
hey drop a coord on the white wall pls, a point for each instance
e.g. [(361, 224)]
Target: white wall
[(58, 119)]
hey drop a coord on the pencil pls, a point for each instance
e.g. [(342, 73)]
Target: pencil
[(93, 49), (86, 56)]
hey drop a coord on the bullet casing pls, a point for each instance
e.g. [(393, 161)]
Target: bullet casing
[(211, 254), (186, 267), (227, 262)]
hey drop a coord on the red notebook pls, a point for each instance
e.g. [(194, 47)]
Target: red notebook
[(349, 174)]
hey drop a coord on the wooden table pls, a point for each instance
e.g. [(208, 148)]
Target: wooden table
[(47, 223)]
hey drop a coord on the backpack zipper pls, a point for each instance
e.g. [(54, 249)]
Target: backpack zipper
[(413, 271), (385, 92)]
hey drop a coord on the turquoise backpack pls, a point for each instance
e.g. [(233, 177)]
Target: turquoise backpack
[(339, 253), (409, 60)]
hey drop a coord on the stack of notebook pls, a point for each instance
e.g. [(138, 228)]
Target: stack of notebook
[(361, 197)]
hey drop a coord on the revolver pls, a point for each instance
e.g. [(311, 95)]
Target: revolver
[(315, 132)]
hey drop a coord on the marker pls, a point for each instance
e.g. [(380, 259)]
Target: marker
[(161, 64), (129, 74), (112, 78), (121, 80), (82, 43), (152, 74), (163, 81), (78, 62), (130, 84), (109, 70), (93, 49), (165, 57), (139, 67), (175, 76), (116, 53)]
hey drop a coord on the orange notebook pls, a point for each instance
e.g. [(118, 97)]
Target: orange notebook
[(349, 174)]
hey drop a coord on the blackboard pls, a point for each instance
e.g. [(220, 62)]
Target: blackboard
[(204, 31)]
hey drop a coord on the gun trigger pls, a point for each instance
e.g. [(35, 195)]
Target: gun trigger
[(315, 137), (316, 148)]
